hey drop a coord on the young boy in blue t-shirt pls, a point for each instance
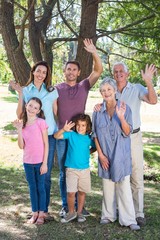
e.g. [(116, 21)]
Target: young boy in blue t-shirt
[(80, 145)]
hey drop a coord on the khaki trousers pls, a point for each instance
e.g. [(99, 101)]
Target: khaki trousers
[(118, 194), (137, 183)]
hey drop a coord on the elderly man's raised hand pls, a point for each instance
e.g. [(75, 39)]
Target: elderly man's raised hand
[(89, 46), (148, 73)]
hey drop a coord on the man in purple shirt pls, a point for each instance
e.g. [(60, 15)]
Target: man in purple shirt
[(72, 101)]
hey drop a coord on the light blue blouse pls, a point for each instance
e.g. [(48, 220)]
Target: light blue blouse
[(47, 99)]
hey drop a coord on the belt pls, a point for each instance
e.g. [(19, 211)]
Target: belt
[(136, 130)]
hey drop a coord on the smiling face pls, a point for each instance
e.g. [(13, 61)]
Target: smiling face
[(71, 72), (32, 108), (81, 127), (108, 92), (40, 74), (119, 73)]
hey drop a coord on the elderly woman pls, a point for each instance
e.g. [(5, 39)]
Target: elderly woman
[(112, 126)]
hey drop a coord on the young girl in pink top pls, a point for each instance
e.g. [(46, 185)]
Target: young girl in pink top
[(33, 138)]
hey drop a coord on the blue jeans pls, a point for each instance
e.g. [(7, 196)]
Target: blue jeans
[(62, 146), (52, 147), (36, 184)]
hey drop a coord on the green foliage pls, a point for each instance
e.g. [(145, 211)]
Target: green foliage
[(132, 30), (5, 71), (126, 30), (9, 127)]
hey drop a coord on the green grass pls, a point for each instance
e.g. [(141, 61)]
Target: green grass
[(152, 160), (10, 99), (152, 155), (151, 135), (15, 205)]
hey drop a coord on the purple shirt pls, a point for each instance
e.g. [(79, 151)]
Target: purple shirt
[(72, 100)]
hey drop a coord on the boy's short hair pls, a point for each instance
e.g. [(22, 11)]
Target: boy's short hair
[(85, 118)]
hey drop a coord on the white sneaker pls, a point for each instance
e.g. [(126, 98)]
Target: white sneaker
[(68, 217), (81, 218), (105, 221), (63, 212), (134, 227)]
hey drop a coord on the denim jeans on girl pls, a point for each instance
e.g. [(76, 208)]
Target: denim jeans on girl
[(36, 184)]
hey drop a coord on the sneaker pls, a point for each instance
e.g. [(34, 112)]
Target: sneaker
[(134, 227), (105, 221), (63, 212), (81, 218), (68, 217), (85, 213), (141, 221)]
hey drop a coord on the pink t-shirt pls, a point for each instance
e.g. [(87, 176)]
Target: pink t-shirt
[(33, 140)]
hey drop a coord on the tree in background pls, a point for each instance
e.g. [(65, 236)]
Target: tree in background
[(33, 30)]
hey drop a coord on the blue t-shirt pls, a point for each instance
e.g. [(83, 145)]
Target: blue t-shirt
[(78, 152), (47, 99)]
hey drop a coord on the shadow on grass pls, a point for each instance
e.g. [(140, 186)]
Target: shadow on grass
[(15, 205)]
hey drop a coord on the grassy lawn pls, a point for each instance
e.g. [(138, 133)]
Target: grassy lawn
[(15, 205)]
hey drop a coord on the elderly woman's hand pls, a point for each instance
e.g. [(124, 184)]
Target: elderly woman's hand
[(104, 162)]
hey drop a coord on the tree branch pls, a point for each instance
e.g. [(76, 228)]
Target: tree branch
[(23, 25), (45, 19), (64, 20), (133, 48), (72, 39)]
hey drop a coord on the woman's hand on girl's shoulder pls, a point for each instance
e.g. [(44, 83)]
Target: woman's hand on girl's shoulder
[(43, 168)]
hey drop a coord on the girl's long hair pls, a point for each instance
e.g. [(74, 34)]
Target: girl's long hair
[(47, 80), (24, 113)]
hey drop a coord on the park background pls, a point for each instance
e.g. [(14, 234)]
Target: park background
[(15, 204), (54, 30)]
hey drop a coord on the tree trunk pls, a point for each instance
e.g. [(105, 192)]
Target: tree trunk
[(34, 34), (19, 65), (87, 30)]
